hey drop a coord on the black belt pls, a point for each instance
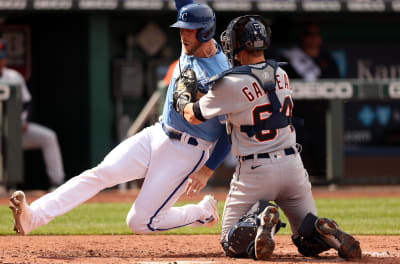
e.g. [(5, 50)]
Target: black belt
[(178, 136), (288, 151)]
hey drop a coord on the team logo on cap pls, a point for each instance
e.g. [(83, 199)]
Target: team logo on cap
[(184, 16)]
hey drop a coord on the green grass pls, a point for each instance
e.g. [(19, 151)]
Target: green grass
[(377, 216)]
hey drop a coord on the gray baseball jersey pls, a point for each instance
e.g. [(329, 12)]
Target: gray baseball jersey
[(242, 99), (279, 176)]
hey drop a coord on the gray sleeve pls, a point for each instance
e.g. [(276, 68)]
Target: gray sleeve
[(223, 98)]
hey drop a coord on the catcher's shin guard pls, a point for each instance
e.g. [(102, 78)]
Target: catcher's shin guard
[(239, 238), (309, 243), (347, 246)]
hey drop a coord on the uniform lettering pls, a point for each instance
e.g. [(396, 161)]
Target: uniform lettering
[(328, 90), (368, 70), (259, 114), (257, 90), (248, 94), (278, 82), (363, 70), (394, 90), (287, 83)]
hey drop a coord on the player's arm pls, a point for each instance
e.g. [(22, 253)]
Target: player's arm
[(26, 101), (212, 103), (192, 113), (199, 179), (201, 91)]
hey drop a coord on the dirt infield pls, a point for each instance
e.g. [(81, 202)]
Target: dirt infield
[(168, 249), (182, 249)]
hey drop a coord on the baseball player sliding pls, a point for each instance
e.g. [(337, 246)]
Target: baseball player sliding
[(256, 98), (34, 135), (164, 154)]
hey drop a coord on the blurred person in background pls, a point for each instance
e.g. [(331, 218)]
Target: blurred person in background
[(310, 61), (34, 136)]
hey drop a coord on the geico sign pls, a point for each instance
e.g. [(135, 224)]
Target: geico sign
[(322, 90), (394, 90), (4, 92)]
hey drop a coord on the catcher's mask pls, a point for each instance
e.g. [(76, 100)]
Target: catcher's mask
[(197, 16), (250, 32)]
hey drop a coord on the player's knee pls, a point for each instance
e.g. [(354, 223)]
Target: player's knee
[(137, 223), (51, 136)]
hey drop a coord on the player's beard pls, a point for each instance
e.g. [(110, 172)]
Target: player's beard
[(191, 50)]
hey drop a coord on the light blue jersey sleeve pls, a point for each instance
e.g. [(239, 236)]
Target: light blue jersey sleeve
[(205, 68)]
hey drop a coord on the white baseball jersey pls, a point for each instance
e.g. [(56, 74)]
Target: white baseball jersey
[(12, 77), (37, 136), (243, 100)]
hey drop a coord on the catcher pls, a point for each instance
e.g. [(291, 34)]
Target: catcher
[(255, 96)]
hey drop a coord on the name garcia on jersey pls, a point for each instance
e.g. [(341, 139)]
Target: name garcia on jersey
[(282, 82)]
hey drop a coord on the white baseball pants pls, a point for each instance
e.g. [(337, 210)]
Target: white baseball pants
[(41, 137), (164, 163)]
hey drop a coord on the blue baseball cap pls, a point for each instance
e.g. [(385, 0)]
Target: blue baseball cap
[(3, 52)]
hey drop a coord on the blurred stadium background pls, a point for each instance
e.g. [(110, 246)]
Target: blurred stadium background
[(92, 65)]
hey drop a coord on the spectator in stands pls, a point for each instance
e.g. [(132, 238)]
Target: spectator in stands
[(34, 135), (310, 61)]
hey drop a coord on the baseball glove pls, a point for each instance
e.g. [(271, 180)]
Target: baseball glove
[(186, 88)]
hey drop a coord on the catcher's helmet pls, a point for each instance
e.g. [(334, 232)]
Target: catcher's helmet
[(250, 32), (197, 16)]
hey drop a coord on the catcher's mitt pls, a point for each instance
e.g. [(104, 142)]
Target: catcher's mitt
[(186, 88)]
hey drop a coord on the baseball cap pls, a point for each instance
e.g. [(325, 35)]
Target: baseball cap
[(3, 52)]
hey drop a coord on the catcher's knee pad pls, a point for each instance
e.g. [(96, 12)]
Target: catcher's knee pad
[(309, 242)]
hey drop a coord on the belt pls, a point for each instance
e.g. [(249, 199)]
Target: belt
[(288, 151), (178, 136)]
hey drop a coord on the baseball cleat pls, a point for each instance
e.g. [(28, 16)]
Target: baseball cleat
[(264, 241), (21, 212), (210, 203), (347, 246)]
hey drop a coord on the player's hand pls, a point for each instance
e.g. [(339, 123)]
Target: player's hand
[(198, 180)]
